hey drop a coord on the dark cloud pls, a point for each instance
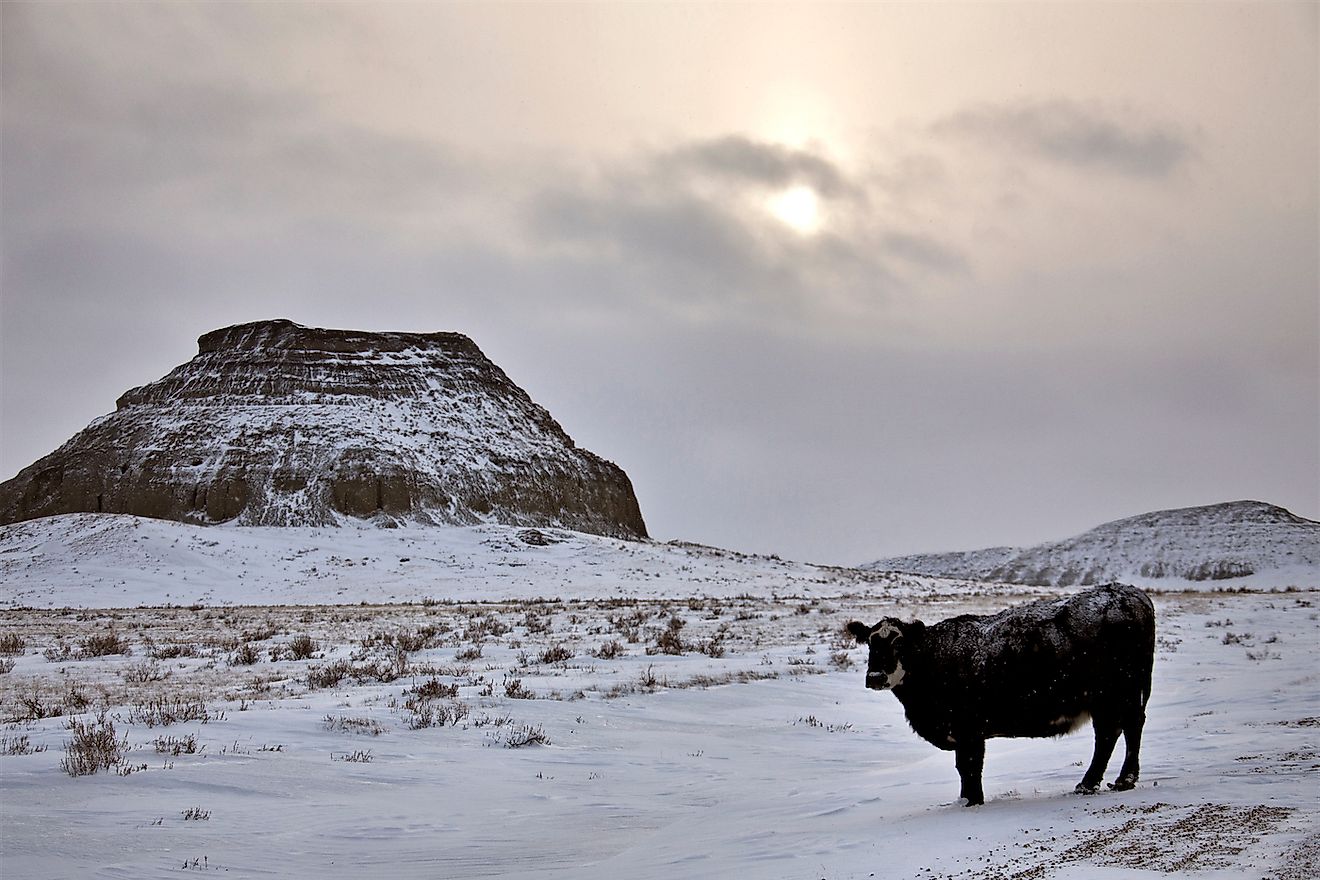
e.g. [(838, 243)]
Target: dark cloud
[(1076, 134), (692, 223), (773, 165)]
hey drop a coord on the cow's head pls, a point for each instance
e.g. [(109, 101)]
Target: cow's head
[(889, 641)]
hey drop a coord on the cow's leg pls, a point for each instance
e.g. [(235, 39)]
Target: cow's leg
[(969, 756), (1127, 777), (1106, 735)]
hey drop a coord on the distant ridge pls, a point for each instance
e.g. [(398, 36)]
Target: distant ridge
[(1235, 541), (276, 424)]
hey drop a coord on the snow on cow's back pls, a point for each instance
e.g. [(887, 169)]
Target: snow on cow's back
[(1085, 611)]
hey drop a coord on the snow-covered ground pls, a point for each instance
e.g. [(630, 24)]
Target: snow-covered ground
[(754, 753), (113, 560)]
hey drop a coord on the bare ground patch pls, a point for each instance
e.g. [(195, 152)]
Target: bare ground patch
[(1160, 838)]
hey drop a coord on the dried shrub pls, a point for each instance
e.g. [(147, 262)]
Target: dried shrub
[(171, 650), (144, 672), (328, 675), (669, 641), (841, 660), (415, 640), (434, 689), (648, 681), (11, 644), (261, 634), (536, 623), (19, 745), (555, 654), (301, 647), (37, 704), (345, 724), (423, 713), (609, 650), (167, 709), (526, 735), (468, 654), (361, 756), (245, 654), (175, 746), (104, 644), (95, 746)]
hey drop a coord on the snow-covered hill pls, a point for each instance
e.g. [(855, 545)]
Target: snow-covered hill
[(276, 424), (1242, 543)]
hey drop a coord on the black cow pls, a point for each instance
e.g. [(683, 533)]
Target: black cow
[(1035, 670)]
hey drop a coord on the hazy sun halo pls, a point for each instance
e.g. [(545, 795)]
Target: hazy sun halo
[(798, 208)]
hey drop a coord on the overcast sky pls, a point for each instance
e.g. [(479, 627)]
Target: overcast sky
[(831, 282)]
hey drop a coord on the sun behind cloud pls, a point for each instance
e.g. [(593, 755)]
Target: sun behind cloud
[(798, 208)]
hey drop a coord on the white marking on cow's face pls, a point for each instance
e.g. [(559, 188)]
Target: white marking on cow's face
[(885, 670), (881, 680), (885, 631)]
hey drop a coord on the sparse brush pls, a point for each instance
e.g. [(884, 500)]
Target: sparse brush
[(175, 746), (526, 735), (6, 665), (514, 689), (629, 625), (536, 623), (195, 814), (144, 672), (245, 654), (715, 647), (167, 709), (301, 647), (669, 641), (11, 643), (408, 640), (465, 655), (649, 681), (94, 746), (428, 713), (841, 660), (609, 650), (171, 651), (328, 675), (345, 724), (18, 745), (261, 634), (103, 644), (358, 757), (555, 654), (435, 689)]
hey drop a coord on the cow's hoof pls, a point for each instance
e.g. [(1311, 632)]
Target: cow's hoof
[(974, 802), (1123, 783), (1083, 788)]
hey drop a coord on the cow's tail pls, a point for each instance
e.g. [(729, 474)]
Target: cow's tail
[(1149, 655)]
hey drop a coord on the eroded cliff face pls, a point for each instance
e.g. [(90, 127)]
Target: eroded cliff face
[(276, 424)]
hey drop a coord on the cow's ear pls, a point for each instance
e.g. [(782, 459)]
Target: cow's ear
[(859, 631)]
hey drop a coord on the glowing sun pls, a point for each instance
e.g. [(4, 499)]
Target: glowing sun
[(798, 208)]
